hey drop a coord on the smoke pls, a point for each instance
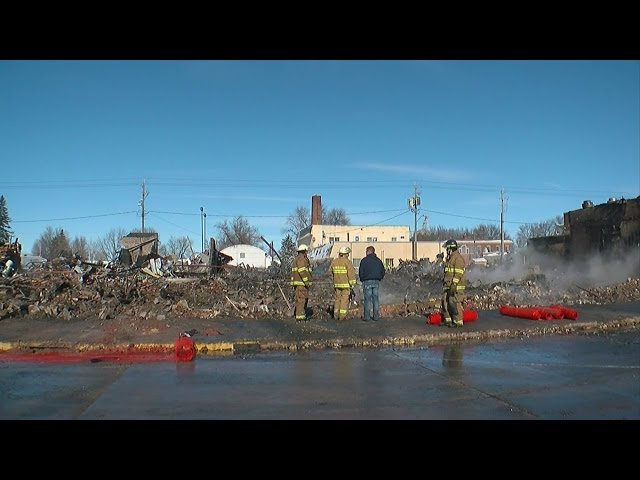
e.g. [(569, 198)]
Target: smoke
[(598, 270)]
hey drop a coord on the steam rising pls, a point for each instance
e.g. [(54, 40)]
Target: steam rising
[(559, 274)]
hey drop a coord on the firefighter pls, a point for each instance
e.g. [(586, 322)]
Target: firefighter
[(7, 267), (453, 285), (344, 279), (301, 281)]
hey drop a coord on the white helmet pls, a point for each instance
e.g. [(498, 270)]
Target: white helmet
[(302, 248), (345, 251)]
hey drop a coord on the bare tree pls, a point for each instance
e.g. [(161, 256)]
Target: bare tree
[(52, 243), (550, 227), (300, 219), (486, 232), (479, 232), (178, 246), (80, 246), (336, 216), (237, 232), (297, 220), (97, 255), (109, 245)]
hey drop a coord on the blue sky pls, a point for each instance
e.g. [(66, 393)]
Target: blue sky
[(258, 138)]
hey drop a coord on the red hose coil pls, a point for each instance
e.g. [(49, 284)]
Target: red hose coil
[(185, 349)]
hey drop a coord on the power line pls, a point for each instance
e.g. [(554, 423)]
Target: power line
[(72, 218), (372, 224), (266, 216), (493, 220), (328, 184), (174, 224)]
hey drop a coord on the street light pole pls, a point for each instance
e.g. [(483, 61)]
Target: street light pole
[(201, 229)]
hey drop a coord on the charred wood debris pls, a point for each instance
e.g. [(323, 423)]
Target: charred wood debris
[(68, 289)]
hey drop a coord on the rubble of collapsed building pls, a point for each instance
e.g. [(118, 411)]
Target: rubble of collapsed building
[(153, 287), (611, 228), (573, 269)]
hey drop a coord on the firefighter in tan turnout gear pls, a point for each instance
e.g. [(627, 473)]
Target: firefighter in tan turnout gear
[(344, 279), (453, 285), (301, 281)]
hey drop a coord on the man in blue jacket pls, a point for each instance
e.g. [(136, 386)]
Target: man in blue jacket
[(371, 271)]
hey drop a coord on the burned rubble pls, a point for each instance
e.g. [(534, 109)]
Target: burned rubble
[(73, 289)]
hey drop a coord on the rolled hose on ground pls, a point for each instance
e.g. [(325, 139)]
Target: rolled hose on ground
[(435, 318), (555, 312), (530, 313), (185, 349), (569, 313)]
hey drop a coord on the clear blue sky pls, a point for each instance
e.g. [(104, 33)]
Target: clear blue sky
[(258, 138)]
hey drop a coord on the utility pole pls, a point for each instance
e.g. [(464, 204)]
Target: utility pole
[(205, 228), (201, 229), (414, 203), (141, 204), (501, 224)]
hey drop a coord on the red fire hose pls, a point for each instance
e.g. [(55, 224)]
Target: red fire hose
[(469, 315), (554, 312), (530, 313), (569, 313), (435, 318), (185, 349)]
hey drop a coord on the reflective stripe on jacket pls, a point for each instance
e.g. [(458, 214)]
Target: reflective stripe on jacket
[(454, 269), (344, 275), (301, 271)]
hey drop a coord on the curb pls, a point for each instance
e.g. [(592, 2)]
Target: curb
[(266, 345)]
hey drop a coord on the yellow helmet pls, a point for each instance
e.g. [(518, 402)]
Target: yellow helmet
[(302, 248), (345, 251)]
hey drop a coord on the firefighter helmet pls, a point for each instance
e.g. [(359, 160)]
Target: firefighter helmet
[(302, 248), (345, 251), (451, 244)]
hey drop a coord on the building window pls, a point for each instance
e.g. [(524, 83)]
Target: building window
[(369, 239), (357, 238), (401, 237), (375, 239), (394, 239), (242, 255), (388, 262)]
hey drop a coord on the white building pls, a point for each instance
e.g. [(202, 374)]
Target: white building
[(248, 256)]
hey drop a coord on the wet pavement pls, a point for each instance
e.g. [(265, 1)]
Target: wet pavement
[(236, 336), (587, 375)]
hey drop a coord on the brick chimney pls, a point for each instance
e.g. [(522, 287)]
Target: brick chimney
[(316, 210)]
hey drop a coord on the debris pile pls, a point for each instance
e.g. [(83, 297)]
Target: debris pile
[(72, 289)]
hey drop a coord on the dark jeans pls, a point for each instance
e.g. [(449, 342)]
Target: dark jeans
[(370, 289)]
